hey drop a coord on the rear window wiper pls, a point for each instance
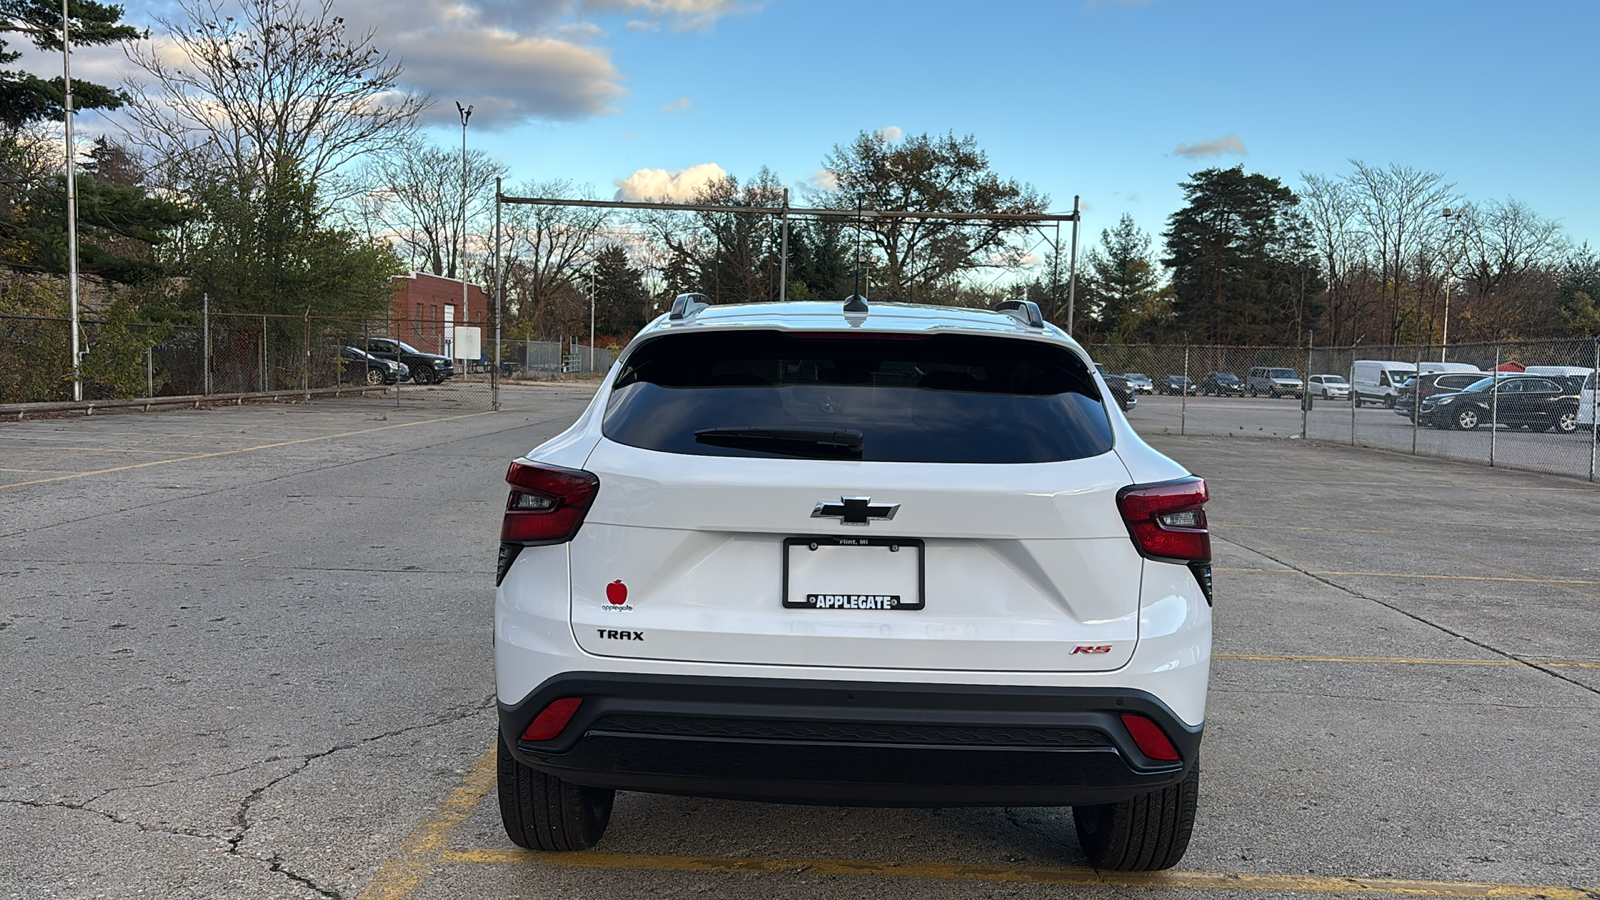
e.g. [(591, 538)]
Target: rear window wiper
[(807, 442)]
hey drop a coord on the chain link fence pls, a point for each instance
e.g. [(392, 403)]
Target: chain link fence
[(235, 353), (1520, 404)]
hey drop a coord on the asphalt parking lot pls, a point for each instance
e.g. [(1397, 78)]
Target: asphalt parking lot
[(247, 654)]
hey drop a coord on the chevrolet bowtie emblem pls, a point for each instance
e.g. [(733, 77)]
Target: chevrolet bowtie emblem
[(855, 510)]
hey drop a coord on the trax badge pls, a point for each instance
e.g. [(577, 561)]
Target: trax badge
[(1092, 648), (855, 510), (611, 634)]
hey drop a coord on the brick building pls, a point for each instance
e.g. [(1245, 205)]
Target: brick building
[(426, 309)]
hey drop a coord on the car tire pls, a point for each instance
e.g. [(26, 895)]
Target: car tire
[(1566, 423), (423, 375), (374, 377), (1141, 834), (1388, 403), (541, 812), (1467, 419)]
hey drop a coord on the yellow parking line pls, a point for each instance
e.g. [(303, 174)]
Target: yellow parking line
[(1403, 660), (405, 870), (1224, 881), (214, 454), (425, 849), (1407, 575)]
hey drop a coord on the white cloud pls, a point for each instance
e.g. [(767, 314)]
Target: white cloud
[(681, 15), (892, 133), (681, 104), (660, 184), (824, 180), (1229, 143)]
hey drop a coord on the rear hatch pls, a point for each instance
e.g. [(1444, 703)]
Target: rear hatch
[(911, 501)]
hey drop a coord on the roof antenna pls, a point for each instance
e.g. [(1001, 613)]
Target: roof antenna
[(855, 303)]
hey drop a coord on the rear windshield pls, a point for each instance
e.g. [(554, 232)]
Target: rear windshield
[(889, 398)]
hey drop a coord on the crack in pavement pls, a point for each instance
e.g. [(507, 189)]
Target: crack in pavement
[(241, 817), (1505, 654)]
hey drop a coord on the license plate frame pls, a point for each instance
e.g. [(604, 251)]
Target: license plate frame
[(862, 602)]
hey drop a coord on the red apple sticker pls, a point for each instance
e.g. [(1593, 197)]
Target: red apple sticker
[(617, 593)]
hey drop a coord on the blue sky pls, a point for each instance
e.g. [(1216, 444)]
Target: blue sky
[(1090, 97)]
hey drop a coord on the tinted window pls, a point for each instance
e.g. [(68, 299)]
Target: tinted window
[(912, 398), (1282, 373)]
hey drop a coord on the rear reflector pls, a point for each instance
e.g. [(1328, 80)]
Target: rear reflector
[(547, 503), (553, 718), (1168, 521), (1148, 735)]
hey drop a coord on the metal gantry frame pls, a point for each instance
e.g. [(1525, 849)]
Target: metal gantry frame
[(784, 212)]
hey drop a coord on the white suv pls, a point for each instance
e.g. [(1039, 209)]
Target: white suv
[(905, 556)]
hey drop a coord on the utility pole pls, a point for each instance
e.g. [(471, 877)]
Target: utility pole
[(465, 115), (591, 316), (72, 204), (1072, 268), (783, 253)]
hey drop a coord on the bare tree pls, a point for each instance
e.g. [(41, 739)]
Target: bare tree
[(1400, 208), (257, 88), (413, 198), (1331, 212), (1512, 260), (545, 248)]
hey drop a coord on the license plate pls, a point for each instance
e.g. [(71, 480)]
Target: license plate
[(852, 573)]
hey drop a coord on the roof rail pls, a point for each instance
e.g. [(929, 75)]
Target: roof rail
[(684, 306), (1024, 311)]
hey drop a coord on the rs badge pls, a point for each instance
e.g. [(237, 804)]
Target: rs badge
[(1091, 648)]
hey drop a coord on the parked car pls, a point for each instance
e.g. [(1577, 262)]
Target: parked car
[(763, 565), (1536, 403), (1274, 382), (1141, 382), (1328, 387), (1222, 384), (356, 365), (426, 368), (1120, 387), (1176, 385), (1432, 383)]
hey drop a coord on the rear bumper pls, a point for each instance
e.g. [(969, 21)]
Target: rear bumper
[(847, 743)]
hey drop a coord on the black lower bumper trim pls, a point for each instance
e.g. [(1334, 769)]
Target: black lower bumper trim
[(863, 744)]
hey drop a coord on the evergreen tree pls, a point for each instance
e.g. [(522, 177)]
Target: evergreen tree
[(1242, 271), (619, 294), (1123, 284), (26, 99)]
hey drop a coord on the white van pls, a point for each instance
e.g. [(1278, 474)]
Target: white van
[(1375, 380), (1586, 401), (1428, 368)]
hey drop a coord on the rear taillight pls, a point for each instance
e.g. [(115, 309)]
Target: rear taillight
[(1168, 521), (547, 503)]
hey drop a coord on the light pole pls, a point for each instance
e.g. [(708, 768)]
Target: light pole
[(72, 204), (465, 115), (1452, 222)]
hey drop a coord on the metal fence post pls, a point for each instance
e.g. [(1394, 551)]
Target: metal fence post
[(1183, 395), (1594, 408), (305, 368), (150, 384), (1494, 403), (205, 341), (1354, 401), (263, 354), (1305, 388), (1416, 418)]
